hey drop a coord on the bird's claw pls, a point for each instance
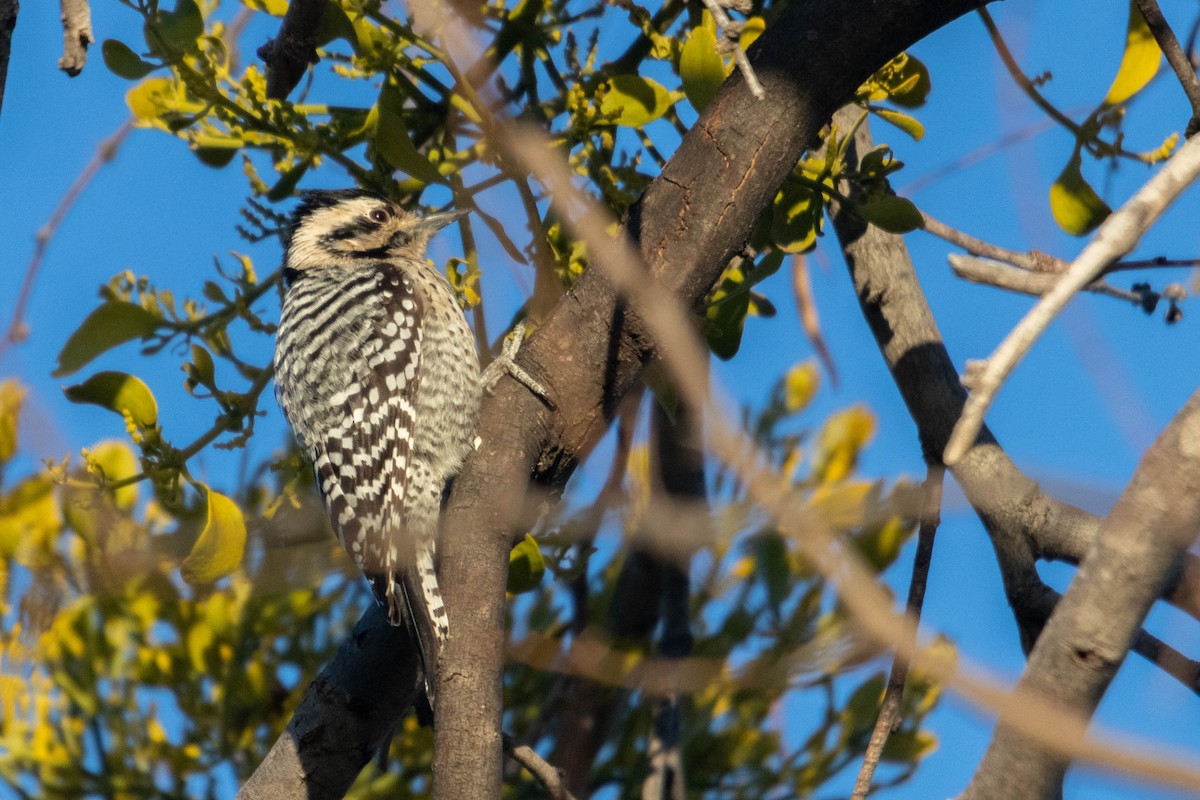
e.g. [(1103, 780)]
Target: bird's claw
[(506, 364)]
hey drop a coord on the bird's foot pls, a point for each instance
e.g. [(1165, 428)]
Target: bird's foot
[(506, 364)]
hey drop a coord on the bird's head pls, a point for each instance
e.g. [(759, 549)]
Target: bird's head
[(346, 228)]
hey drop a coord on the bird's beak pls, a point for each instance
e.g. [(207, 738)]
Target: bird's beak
[(435, 222)]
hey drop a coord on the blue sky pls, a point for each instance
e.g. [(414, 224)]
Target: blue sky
[(1077, 413)]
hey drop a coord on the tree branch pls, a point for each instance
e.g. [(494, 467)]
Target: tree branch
[(8, 23), (347, 714), (1024, 523), (1178, 60), (548, 776), (889, 711), (591, 351), (289, 54), (1139, 547), (1116, 237)]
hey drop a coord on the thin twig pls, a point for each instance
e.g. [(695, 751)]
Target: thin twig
[(548, 776), (77, 35), (1115, 238), (739, 55), (1175, 57), (889, 711), (1034, 260), (810, 320), (105, 152), (990, 273)]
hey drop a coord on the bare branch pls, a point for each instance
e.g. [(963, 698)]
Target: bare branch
[(289, 54), (1139, 547), (77, 35), (106, 151), (1033, 260), (547, 775), (1116, 237), (1178, 60), (1036, 284), (725, 25), (889, 711), (810, 320), (8, 23)]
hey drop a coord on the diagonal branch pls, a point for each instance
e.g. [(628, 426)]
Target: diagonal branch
[(1178, 59), (1118, 235), (1139, 547), (591, 350)]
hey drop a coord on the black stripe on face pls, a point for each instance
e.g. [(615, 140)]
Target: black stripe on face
[(360, 227), (397, 240)]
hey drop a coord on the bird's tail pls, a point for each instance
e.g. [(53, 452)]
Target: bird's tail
[(412, 596)]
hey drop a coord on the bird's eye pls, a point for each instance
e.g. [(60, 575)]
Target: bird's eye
[(380, 215)]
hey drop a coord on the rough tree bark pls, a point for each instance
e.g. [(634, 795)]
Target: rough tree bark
[(591, 351), (691, 220)]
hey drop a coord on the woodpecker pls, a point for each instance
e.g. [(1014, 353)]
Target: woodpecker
[(377, 375)]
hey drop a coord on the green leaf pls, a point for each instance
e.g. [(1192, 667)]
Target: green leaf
[(123, 62), (725, 318), (700, 68), (392, 141), (634, 101), (200, 371), (771, 559), (287, 182), (914, 87), (526, 566), (1076, 207), (909, 747), (178, 29), (214, 150), (335, 24), (892, 214), (111, 324), (1139, 63), (218, 551), (798, 216), (858, 716), (119, 392), (902, 121)]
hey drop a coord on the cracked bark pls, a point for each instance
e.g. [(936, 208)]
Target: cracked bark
[(591, 352)]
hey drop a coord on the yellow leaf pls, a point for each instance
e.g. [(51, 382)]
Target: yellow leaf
[(800, 386), (1076, 207), (116, 461), (753, 29), (700, 67), (526, 566), (119, 392), (219, 549), (843, 436), (1139, 63), (11, 395), (634, 101)]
